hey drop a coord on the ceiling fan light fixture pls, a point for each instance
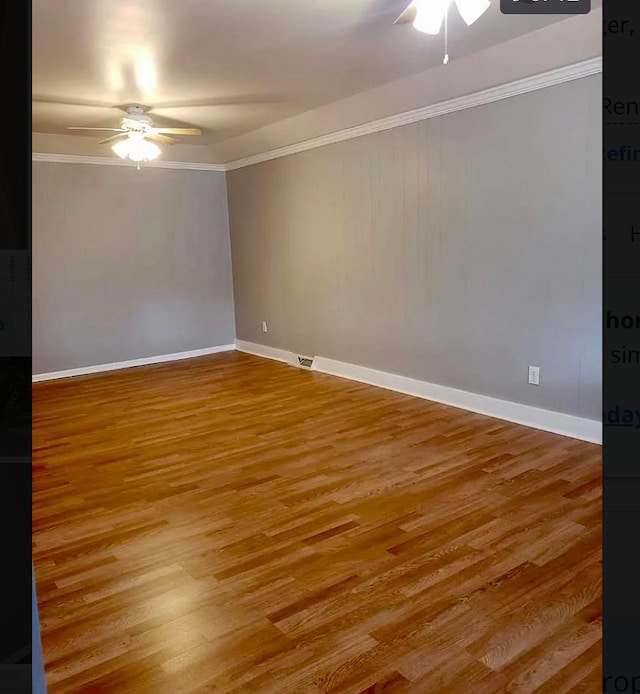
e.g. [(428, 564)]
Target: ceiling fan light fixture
[(143, 150), (136, 149), (429, 16), (471, 10), (121, 148)]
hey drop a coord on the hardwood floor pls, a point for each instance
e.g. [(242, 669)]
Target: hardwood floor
[(231, 524)]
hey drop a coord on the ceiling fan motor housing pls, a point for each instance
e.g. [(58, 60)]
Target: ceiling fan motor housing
[(136, 120), (136, 123)]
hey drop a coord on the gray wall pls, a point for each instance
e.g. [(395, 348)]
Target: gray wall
[(127, 264), (458, 250)]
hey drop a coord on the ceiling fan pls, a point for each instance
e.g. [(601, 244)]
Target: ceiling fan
[(136, 136), (428, 16)]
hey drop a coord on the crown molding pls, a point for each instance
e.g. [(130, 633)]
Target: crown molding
[(550, 78), (542, 80), (116, 161)]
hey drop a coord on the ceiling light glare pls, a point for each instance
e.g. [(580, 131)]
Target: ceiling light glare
[(136, 149), (429, 16)]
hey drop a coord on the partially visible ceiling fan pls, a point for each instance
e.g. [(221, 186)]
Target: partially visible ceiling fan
[(136, 136), (428, 15)]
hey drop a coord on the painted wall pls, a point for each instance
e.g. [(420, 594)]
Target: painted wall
[(127, 264), (458, 250)]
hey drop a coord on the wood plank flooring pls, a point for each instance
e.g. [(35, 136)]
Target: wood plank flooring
[(231, 524)]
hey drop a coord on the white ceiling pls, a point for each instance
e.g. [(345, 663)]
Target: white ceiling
[(236, 67)]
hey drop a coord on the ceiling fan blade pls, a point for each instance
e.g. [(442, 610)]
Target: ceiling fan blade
[(156, 137), (408, 15), (471, 10), (177, 131), (113, 138), (113, 130)]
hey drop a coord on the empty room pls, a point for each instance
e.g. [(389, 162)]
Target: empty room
[(317, 346)]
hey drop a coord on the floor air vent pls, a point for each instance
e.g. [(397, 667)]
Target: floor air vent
[(301, 362)]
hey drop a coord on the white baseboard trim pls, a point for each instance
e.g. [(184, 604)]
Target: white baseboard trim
[(537, 418), (118, 365), (263, 351), (546, 420)]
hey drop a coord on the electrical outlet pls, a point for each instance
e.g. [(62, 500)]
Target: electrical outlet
[(534, 375), (264, 326)]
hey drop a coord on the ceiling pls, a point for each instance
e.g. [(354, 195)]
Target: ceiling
[(230, 67)]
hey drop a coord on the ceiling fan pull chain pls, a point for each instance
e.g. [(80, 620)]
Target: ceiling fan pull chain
[(446, 36)]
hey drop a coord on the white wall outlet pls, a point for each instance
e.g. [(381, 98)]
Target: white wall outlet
[(264, 326), (534, 375)]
